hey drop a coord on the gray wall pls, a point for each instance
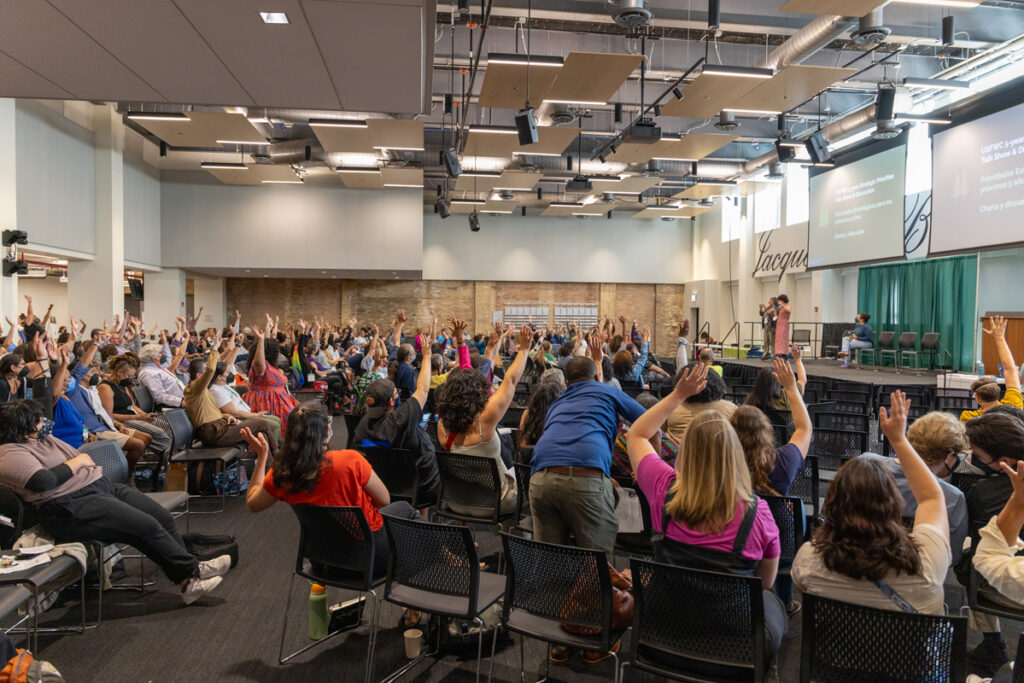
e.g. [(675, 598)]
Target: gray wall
[(141, 211)]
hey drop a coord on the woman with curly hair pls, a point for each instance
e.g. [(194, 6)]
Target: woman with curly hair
[(468, 417), (863, 553)]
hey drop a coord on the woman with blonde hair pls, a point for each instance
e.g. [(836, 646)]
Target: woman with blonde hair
[(705, 508)]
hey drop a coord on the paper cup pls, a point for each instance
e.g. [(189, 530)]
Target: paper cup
[(413, 643)]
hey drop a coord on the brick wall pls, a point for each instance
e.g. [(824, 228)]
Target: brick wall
[(374, 301)]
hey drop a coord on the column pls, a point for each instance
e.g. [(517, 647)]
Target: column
[(164, 298), (210, 296), (9, 305), (96, 288)]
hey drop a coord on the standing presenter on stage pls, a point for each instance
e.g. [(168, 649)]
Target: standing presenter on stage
[(782, 326)]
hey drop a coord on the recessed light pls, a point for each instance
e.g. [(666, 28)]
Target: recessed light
[(223, 165), (281, 182), (402, 185), (274, 18), (157, 116), (242, 142)]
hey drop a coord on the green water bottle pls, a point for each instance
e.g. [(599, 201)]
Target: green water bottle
[(318, 616)]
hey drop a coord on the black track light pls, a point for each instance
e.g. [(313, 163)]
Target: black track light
[(307, 153), (522, 210), (540, 193), (677, 93), (449, 103), (657, 110), (163, 148), (568, 163), (947, 30), (618, 112)]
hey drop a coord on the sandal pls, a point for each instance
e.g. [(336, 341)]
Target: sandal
[(591, 658), (559, 654)]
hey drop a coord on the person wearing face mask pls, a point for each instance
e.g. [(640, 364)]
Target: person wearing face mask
[(115, 389), (14, 374), (76, 503)]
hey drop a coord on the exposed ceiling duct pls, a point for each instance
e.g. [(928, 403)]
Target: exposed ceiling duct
[(821, 31)]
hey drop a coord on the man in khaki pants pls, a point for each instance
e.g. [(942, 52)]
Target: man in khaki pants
[(769, 314)]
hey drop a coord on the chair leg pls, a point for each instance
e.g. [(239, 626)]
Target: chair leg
[(494, 645), (479, 646), (615, 675), (374, 619), (284, 626), (522, 665)]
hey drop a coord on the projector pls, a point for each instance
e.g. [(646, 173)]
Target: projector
[(579, 184), (643, 132)]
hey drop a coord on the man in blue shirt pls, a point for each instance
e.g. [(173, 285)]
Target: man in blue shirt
[(570, 489), (863, 337)]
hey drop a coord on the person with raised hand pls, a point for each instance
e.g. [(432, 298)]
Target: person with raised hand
[(863, 552), (705, 508), (986, 389)]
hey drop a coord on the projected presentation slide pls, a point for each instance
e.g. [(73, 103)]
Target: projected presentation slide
[(857, 211), (978, 183)]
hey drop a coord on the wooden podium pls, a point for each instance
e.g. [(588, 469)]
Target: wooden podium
[(1014, 337)]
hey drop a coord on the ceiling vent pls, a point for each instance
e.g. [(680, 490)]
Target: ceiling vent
[(632, 14), (775, 171), (562, 115), (870, 29), (607, 198), (727, 121), (668, 218), (707, 201), (886, 130)]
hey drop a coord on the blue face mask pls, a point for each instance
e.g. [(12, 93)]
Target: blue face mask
[(72, 383), (398, 402)]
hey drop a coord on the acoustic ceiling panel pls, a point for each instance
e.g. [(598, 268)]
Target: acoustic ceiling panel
[(231, 176), (637, 153), (488, 144), (254, 174), (498, 206), (789, 87), (681, 212), (560, 210), (517, 180), (369, 180), (504, 85), (552, 140), (705, 190), (848, 8), (707, 95), (16, 79), (467, 182), (204, 129), (396, 133), (592, 76), (633, 185), (335, 139), (696, 146), (402, 177)]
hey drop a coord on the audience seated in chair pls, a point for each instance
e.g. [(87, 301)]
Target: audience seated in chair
[(531, 424), (709, 398), (986, 389), (75, 502), (768, 394)]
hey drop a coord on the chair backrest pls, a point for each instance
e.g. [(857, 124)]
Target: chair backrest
[(144, 398), (182, 430), (851, 407), (470, 481), (524, 455), (788, 512), (108, 455), (834, 420), (781, 433), (801, 337), (703, 617), (337, 538), (954, 404), (512, 416), (965, 481), (847, 642), (523, 473), (396, 467), (805, 484), (908, 340), (12, 508), (558, 583), (930, 341), (982, 597), (351, 422), (849, 394), (885, 339), (835, 446), (438, 558)]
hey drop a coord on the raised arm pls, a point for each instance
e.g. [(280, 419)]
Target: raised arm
[(931, 505), (798, 362), (638, 438), (259, 359), (49, 312), (29, 315), (801, 420), (423, 380), (400, 319), (12, 336), (58, 375), (997, 331), (499, 402)]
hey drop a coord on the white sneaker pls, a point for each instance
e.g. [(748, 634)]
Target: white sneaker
[(197, 588), (218, 566)]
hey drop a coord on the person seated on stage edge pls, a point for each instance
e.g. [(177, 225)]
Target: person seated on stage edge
[(705, 506), (863, 337), (862, 553), (986, 389), (75, 502)]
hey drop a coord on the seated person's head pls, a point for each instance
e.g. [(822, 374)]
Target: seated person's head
[(646, 399), (758, 440), (461, 399), (382, 398), (546, 345), (436, 364), (553, 375), (766, 389), (995, 437), (299, 463), (863, 536), (13, 365), (107, 352), (541, 398), (121, 369), (196, 367), (1007, 410), (622, 365), (580, 370), (151, 353), (707, 356), (223, 374), (19, 420), (711, 475), (986, 390), (938, 437), (95, 334), (713, 391), (863, 318), (271, 352), (406, 353), (564, 350), (607, 371), (475, 358), (616, 343)]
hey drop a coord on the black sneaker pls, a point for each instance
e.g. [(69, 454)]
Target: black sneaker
[(986, 659)]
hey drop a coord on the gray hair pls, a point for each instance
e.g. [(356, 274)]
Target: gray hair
[(553, 375), (151, 353)]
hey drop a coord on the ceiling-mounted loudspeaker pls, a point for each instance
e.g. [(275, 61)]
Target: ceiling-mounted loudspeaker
[(522, 210), (727, 121), (609, 214), (540, 193), (449, 103), (451, 162), (775, 170), (870, 29), (618, 112), (568, 163), (714, 14), (442, 208), (693, 168), (817, 148), (307, 153), (947, 30), (526, 127), (463, 7), (886, 102), (474, 222), (163, 148), (785, 152), (632, 14)]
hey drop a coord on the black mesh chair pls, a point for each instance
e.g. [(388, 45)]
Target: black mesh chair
[(143, 398), (861, 407), (884, 348), (351, 422), (695, 625), (434, 568), (637, 544), (524, 516), (954, 404), (735, 399), (930, 347), (805, 487), (781, 433), (524, 454), (473, 483), (965, 481), (846, 421), (846, 642), (801, 338), (982, 597), (335, 549), (835, 446), (512, 417), (182, 438), (788, 512), (821, 386), (396, 467), (549, 585)]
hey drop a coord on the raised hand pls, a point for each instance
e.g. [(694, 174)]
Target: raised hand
[(893, 422), (1016, 475), (783, 373), (998, 328), (400, 315), (692, 382), (796, 352), (258, 443), (523, 338)]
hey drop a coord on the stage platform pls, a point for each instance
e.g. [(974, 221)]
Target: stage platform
[(867, 374)]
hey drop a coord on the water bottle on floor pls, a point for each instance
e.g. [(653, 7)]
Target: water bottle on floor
[(318, 616)]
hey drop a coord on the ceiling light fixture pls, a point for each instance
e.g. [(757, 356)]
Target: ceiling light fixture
[(338, 123), (586, 103), (936, 83), (242, 142), (584, 213), (403, 185), (385, 148), (822, 164), (281, 182), (357, 169), (739, 71), (274, 18), (765, 112), (495, 212), (943, 3), (565, 204), (505, 130), (536, 154), (666, 207), (223, 165), (259, 119), (521, 60), (158, 116), (469, 201), (481, 174), (916, 118)]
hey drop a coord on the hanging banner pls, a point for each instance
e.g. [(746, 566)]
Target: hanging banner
[(781, 251)]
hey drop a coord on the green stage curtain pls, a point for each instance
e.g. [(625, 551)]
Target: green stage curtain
[(929, 295)]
